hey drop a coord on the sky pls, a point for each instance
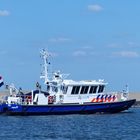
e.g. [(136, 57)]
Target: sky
[(88, 39)]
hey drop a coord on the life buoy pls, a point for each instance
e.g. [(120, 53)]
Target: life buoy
[(50, 99), (28, 99)]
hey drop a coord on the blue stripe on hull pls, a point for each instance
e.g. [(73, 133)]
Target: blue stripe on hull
[(70, 109)]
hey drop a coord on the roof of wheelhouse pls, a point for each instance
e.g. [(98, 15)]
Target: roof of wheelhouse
[(84, 82)]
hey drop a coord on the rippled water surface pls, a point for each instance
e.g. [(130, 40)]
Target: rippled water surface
[(121, 126)]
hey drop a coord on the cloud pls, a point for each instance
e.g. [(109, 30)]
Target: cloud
[(95, 8), (83, 53), (87, 47), (79, 53), (133, 44), (129, 44), (128, 54), (113, 45), (59, 40), (4, 13)]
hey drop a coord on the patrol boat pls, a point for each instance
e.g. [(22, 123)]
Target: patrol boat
[(64, 96)]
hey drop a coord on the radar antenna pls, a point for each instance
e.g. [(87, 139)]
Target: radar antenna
[(45, 55)]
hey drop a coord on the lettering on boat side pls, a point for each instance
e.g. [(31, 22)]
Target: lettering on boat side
[(14, 107)]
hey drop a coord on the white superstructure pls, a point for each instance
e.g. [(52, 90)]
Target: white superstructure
[(65, 91)]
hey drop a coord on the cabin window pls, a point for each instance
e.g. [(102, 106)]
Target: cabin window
[(93, 89), (56, 76), (84, 90), (75, 90), (101, 88), (48, 88), (55, 89), (64, 89)]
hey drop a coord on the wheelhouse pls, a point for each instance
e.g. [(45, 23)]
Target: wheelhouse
[(83, 88)]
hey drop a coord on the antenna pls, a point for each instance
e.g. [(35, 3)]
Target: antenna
[(45, 55), (127, 88)]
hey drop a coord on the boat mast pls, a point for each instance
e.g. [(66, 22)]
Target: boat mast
[(45, 55)]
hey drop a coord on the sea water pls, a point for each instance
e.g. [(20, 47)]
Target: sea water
[(120, 126)]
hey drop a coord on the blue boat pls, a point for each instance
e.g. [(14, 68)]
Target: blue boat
[(87, 108), (65, 96)]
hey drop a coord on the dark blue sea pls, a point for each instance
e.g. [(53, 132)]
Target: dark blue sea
[(121, 126)]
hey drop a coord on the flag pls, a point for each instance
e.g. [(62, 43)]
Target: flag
[(1, 81)]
